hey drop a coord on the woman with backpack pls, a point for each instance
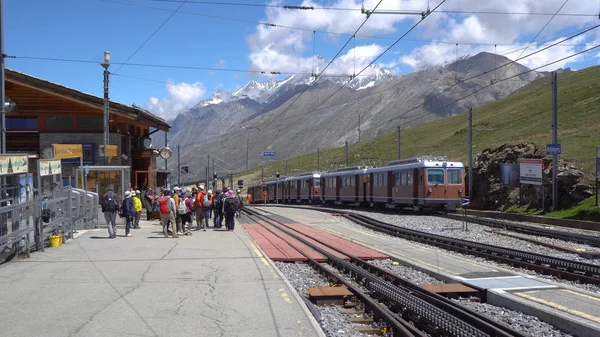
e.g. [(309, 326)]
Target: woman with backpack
[(185, 210), (231, 205), (129, 213)]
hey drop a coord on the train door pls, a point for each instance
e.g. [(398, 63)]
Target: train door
[(297, 192), (338, 184), (310, 184), (370, 187), (356, 185), (364, 184), (416, 183), (389, 184)]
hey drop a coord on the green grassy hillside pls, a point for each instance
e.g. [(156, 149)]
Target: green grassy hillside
[(524, 116)]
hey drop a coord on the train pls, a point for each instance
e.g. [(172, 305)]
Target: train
[(424, 183)]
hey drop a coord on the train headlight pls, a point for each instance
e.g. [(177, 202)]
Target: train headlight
[(429, 190), (460, 191)]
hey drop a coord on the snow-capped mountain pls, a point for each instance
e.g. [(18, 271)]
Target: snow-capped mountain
[(266, 92)]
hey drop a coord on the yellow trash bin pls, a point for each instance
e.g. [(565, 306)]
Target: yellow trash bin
[(55, 241)]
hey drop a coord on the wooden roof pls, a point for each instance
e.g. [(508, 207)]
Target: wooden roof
[(53, 89)]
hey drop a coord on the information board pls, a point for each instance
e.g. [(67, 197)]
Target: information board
[(509, 174), (530, 171)]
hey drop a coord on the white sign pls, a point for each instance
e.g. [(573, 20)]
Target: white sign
[(531, 171)]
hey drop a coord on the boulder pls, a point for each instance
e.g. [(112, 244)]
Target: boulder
[(489, 194)]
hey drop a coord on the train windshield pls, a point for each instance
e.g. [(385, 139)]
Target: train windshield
[(454, 176), (317, 183), (435, 176)]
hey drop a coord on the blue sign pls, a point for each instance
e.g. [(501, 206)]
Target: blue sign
[(553, 149), (269, 154)]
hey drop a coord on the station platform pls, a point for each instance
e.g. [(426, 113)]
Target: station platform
[(213, 283), (571, 309)]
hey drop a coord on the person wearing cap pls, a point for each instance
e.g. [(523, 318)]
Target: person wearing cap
[(167, 213), (129, 213), (210, 198), (202, 214), (137, 207), (231, 205)]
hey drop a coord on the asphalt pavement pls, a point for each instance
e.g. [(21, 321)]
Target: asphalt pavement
[(213, 283)]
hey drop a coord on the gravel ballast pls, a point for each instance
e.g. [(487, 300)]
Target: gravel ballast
[(334, 323)]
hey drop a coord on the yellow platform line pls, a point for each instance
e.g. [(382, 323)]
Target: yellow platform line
[(560, 307), (582, 295)]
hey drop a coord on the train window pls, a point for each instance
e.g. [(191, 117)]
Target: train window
[(403, 178), (435, 176), (385, 179), (409, 178), (396, 179), (317, 183), (454, 177)]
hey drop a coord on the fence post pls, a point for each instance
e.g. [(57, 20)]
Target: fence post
[(71, 222)]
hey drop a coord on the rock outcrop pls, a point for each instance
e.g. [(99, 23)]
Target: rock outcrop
[(490, 194)]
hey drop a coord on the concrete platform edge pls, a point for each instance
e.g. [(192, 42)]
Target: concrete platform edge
[(307, 312), (564, 321)]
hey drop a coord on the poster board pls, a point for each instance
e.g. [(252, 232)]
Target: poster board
[(531, 171)]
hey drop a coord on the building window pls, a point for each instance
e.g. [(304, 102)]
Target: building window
[(89, 123), (59, 123), (13, 123)]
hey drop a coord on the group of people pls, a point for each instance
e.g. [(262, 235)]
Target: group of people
[(178, 208), (130, 209)]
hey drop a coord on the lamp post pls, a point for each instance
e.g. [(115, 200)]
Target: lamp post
[(105, 64)]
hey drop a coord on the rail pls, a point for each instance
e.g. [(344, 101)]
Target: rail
[(431, 312)]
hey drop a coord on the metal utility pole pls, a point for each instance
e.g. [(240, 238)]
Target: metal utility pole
[(166, 144), (554, 138), (105, 64), (470, 152), (286, 167), (318, 159), (214, 175), (247, 150), (231, 181), (207, 171), (262, 174), (346, 153), (398, 142), (2, 88), (178, 166)]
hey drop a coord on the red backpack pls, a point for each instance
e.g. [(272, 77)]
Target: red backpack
[(163, 205)]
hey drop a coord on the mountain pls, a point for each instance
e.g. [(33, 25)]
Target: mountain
[(299, 119)]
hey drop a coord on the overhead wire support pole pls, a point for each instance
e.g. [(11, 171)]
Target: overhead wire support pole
[(2, 87), (471, 152), (398, 142), (178, 165), (554, 138)]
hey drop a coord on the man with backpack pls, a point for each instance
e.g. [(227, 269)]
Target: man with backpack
[(167, 213), (184, 210), (230, 206), (110, 206), (129, 213), (217, 206), (202, 205)]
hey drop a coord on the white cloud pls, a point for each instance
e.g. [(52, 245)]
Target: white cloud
[(281, 49), (181, 96)]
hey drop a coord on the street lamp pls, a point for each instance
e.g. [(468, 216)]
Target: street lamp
[(105, 64)]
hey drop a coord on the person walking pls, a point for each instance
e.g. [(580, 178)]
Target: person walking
[(202, 205), (137, 207), (177, 222), (185, 210), (110, 207), (231, 205), (167, 213), (239, 210), (129, 212), (217, 207)]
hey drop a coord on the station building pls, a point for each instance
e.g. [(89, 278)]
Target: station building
[(40, 113)]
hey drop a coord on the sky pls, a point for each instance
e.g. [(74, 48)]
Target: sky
[(168, 55)]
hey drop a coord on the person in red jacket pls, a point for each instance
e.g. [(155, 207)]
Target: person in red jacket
[(202, 209)]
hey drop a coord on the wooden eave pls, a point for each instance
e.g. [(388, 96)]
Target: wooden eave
[(92, 101)]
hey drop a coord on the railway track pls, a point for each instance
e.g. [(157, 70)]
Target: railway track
[(410, 310), (558, 267), (592, 240)]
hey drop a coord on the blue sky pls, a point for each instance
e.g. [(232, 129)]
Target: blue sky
[(84, 29)]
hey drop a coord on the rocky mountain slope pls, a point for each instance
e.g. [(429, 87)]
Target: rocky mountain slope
[(303, 117)]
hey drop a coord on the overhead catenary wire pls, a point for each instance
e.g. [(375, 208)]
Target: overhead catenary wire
[(330, 8), (365, 68), (498, 81), (518, 46), (540, 32), (489, 71), (151, 36)]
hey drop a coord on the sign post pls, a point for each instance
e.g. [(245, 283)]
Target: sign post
[(531, 172), (465, 202)]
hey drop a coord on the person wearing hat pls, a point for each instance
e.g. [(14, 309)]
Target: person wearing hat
[(230, 206), (202, 211), (110, 207), (137, 207), (129, 213)]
